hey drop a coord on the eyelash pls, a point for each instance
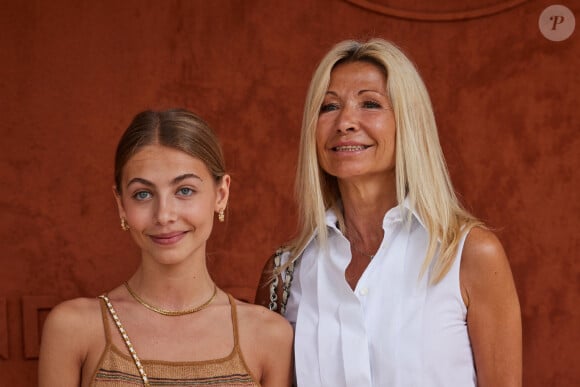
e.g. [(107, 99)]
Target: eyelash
[(370, 104), (138, 195), (191, 191), (328, 107)]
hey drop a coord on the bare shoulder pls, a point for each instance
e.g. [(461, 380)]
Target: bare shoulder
[(484, 262), (493, 317), (75, 310), (74, 319), (269, 325), (482, 241), (482, 250), (69, 332), (266, 341)]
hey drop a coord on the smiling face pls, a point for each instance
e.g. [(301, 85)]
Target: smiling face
[(169, 199), (355, 134)]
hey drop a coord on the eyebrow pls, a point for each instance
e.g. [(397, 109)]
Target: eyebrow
[(371, 91), (180, 178), (175, 181), (360, 92)]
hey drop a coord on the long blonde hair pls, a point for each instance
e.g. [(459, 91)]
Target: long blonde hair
[(421, 173)]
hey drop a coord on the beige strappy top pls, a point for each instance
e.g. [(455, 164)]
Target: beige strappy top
[(116, 369)]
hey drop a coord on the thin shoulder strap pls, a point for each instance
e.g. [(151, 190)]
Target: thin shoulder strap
[(237, 348), (105, 320), (234, 313), (125, 336)]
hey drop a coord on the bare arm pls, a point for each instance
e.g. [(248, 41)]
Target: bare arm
[(62, 349), (277, 369), (493, 317)]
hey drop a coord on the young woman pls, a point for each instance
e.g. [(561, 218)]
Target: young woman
[(168, 324), (390, 281)]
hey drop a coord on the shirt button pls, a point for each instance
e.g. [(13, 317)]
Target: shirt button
[(364, 291)]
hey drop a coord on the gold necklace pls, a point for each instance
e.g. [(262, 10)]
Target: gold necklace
[(171, 312), (370, 256), (351, 242)]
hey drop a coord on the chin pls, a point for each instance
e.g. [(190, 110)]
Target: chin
[(169, 257)]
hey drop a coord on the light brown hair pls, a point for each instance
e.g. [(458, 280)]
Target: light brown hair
[(176, 128)]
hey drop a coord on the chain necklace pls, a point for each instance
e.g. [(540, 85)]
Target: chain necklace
[(346, 235), (370, 256), (165, 312)]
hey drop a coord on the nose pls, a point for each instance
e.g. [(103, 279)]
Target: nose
[(346, 120), (165, 213)]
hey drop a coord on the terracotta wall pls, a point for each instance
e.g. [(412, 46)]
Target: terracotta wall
[(73, 73)]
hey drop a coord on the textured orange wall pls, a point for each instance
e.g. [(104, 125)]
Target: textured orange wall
[(73, 73)]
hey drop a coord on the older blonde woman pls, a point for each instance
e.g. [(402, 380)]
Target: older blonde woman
[(390, 281)]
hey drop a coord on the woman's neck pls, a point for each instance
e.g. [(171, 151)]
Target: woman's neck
[(172, 287), (364, 207)]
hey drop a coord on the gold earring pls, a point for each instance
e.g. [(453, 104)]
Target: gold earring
[(124, 225), (221, 215)]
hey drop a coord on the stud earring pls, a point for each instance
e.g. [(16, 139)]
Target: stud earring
[(221, 215), (124, 225)]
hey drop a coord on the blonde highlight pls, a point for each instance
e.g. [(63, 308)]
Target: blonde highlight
[(421, 172)]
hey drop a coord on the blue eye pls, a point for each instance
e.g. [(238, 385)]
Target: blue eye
[(328, 107), (371, 104), (185, 191), (142, 195)]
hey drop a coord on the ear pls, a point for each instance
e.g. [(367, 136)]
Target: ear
[(223, 193), (119, 202)]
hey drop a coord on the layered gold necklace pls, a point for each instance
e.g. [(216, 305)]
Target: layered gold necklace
[(165, 312)]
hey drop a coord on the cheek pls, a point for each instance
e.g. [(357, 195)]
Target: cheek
[(137, 216), (321, 156), (199, 210), (385, 131), (321, 137), (318, 139), (323, 127)]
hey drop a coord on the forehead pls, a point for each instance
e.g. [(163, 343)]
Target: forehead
[(155, 160), (361, 73)]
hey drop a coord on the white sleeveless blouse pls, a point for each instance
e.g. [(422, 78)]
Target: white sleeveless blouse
[(393, 330)]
